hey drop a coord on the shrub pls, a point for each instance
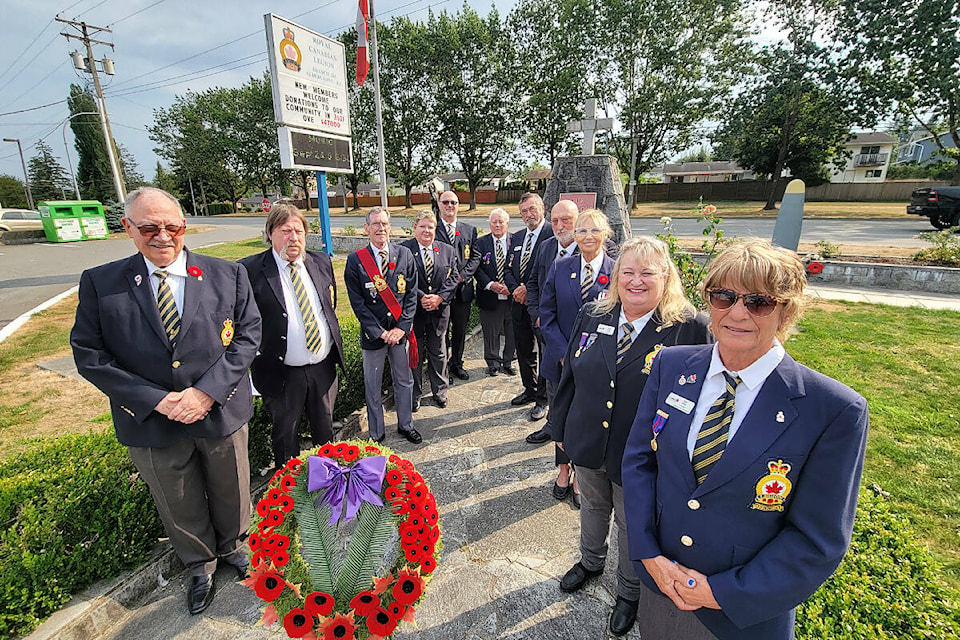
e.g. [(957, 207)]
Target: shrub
[(72, 511), (827, 249), (219, 208), (113, 214), (691, 270), (945, 249), (888, 586)]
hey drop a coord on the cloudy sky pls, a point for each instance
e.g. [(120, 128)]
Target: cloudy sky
[(162, 49)]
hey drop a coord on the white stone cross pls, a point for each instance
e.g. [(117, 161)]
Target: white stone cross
[(590, 125)]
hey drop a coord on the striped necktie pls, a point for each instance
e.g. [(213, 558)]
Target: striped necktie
[(587, 282), (310, 329), (428, 265), (712, 438), (500, 259), (383, 261), (525, 258), (168, 308), (625, 340)]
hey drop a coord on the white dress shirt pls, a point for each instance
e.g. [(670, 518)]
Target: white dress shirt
[(297, 353), (595, 265), (638, 324), (493, 257), (563, 252), (176, 276)]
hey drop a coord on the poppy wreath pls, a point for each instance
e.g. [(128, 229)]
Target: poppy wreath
[(353, 495)]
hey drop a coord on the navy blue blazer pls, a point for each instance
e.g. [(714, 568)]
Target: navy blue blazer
[(269, 374), (366, 302), (560, 303), (545, 256), (465, 235), (801, 443), (120, 346), (487, 271), (514, 277)]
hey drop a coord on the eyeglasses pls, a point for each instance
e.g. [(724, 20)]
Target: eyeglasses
[(757, 304), (449, 202), (580, 231), (150, 230)]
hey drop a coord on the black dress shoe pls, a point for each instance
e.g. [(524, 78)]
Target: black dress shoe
[(576, 577), (242, 569), (460, 373), (509, 370), (538, 437), (442, 403), (416, 406), (560, 492), (413, 435), (492, 371), (380, 439), (200, 593), (539, 412), (523, 398), (623, 616)]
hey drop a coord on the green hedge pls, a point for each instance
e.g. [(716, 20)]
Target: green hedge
[(72, 511), (219, 208), (888, 586)]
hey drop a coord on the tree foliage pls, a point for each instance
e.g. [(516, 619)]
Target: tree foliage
[(13, 193), (94, 176), (48, 178)]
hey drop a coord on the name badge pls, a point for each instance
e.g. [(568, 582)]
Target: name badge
[(680, 403), (517, 248), (605, 329)]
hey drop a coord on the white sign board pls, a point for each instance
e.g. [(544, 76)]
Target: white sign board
[(309, 75)]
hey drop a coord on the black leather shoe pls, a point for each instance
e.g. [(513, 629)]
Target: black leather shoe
[(560, 492), (200, 593), (576, 577), (509, 370), (380, 439), (413, 435), (492, 371), (460, 373), (522, 399), (416, 406), (442, 403), (242, 569), (623, 616), (539, 413), (538, 437)]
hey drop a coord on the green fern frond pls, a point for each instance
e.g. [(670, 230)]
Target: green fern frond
[(318, 539), (372, 536)]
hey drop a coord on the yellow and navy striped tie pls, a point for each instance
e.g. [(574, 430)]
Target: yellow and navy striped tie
[(310, 328), (525, 258), (587, 282), (500, 260), (383, 261), (712, 439), (168, 308), (625, 340), (428, 265)]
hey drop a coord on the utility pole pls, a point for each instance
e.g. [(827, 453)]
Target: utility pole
[(89, 64), (26, 176)]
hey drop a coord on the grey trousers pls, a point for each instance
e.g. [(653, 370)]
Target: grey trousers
[(497, 324), (431, 330), (599, 496), (201, 487), (373, 361)]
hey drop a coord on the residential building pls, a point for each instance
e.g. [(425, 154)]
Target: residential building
[(723, 171), (869, 157), (923, 149)]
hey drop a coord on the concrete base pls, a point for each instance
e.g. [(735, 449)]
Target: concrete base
[(591, 174)]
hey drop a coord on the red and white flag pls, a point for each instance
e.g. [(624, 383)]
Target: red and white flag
[(363, 55)]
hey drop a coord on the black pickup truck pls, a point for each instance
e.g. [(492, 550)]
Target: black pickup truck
[(940, 204)]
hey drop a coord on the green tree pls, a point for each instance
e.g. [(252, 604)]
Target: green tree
[(906, 55), (363, 131), (13, 193), (94, 176), (48, 178), (132, 178), (163, 179), (469, 78)]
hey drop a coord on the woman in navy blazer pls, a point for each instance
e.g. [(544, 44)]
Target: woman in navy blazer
[(597, 399), (561, 298), (741, 525)]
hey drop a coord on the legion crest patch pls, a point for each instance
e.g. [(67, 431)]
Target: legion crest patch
[(772, 489)]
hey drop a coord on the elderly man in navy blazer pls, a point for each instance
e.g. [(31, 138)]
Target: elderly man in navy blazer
[(168, 335), (381, 282), (296, 368), (493, 296), (437, 282)]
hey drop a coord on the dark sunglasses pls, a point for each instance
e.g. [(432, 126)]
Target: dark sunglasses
[(449, 202), (150, 230), (757, 304)]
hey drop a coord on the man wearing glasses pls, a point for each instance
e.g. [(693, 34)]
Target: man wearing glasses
[(462, 237), (168, 336)]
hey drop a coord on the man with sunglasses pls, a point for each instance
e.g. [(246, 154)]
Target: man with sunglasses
[(462, 237), (168, 336)]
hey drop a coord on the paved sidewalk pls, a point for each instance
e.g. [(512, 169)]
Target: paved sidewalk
[(893, 297)]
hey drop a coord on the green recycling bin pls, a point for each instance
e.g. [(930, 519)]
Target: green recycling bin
[(72, 220)]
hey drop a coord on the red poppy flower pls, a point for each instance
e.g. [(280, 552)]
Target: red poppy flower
[(416, 521), (437, 249), (406, 465), (327, 450), (286, 504), (396, 610), (259, 559), (269, 586), (340, 448), (432, 534), (195, 271), (602, 279), (394, 477), (294, 465), (372, 449), (350, 453), (254, 541), (297, 623), (408, 588), (365, 603), (409, 535), (287, 482), (263, 507), (427, 509), (413, 554), (392, 494), (339, 627), (401, 507), (280, 558), (426, 548), (391, 265), (428, 564), (273, 495), (414, 478), (319, 603), (278, 543), (274, 518), (815, 268), (381, 623), (394, 458)]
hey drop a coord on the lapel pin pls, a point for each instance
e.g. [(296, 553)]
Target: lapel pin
[(138, 279), (683, 380), (692, 378), (779, 416)]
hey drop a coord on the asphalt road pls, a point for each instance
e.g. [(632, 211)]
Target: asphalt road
[(31, 274)]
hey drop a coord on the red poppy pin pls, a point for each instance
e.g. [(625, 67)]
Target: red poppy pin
[(456, 233), (196, 272), (603, 279), (437, 249), (391, 265)]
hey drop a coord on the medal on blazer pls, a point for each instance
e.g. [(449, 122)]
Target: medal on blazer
[(466, 252), (380, 282), (772, 489), (658, 421), (401, 284), (226, 336), (333, 299), (583, 341), (648, 361)]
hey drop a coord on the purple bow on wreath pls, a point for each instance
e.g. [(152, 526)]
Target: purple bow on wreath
[(360, 483)]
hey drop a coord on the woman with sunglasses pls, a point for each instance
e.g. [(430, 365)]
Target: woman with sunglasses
[(615, 341), (741, 472)]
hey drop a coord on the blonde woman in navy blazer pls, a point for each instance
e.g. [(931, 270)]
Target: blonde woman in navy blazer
[(597, 399), (771, 520)]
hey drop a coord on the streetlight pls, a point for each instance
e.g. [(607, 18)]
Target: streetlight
[(63, 131), (25, 176)]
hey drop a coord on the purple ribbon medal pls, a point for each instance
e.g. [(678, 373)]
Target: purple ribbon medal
[(359, 483)]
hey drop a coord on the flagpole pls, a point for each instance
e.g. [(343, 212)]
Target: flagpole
[(375, 64)]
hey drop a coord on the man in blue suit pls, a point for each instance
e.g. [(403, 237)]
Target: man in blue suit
[(168, 335), (437, 281), (493, 296)]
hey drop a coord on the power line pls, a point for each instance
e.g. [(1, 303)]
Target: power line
[(34, 85), (182, 75), (24, 51), (116, 22), (43, 106), (262, 58)]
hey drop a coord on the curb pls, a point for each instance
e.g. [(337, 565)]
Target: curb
[(21, 320)]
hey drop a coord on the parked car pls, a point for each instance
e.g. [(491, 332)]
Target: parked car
[(20, 220), (940, 204)]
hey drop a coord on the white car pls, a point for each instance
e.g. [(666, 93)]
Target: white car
[(20, 220)]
